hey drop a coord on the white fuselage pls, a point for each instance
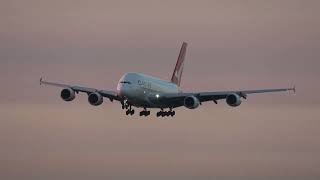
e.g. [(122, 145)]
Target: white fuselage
[(142, 90)]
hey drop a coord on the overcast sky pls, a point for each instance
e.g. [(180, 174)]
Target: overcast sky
[(233, 44)]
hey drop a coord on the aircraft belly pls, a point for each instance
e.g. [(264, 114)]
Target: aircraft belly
[(143, 98), (138, 98)]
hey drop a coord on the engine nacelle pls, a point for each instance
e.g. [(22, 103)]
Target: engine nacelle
[(191, 102), (233, 100), (68, 94), (95, 99)]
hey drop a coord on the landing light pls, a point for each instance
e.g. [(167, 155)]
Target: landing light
[(157, 96)]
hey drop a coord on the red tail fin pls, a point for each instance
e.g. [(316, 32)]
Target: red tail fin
[(176, 76)]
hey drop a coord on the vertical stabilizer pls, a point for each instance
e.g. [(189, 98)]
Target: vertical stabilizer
[(177, 73)]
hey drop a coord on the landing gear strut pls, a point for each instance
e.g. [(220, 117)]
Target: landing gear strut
[(124, 104), (145, 112), (166, 113)]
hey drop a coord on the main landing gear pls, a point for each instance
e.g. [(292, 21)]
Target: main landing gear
[(166, 113), (144, 112)]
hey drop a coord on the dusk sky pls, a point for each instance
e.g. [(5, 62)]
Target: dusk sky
[(232, 45)]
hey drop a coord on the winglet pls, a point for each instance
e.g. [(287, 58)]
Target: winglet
[(40, 80), (293, 89)]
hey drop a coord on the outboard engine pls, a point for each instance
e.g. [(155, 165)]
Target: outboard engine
[(95, 99), (233, 100), (191, 102), (68, 94)]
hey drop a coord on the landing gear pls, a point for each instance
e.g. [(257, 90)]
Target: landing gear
[(166, 113), (124, 104), (145, 112), (130, 111)]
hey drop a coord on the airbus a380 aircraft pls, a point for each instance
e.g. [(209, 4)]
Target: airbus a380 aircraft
[(143, 91)]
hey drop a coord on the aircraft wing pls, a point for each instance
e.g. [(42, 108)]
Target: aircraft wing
[(112, 95), (176, 99)]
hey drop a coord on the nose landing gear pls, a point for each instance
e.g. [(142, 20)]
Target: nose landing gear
[(130, 111), (124, 104)]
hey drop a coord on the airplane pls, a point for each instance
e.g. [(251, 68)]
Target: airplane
[(144, 91)]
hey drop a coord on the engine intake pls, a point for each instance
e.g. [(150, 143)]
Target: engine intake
[(233, 100), (95, 99), (191, 102), (68, 94)]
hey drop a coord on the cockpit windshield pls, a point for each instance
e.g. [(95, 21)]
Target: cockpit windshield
[(125, 82)]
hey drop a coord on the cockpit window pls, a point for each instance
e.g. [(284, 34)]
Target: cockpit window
[(125, 82)]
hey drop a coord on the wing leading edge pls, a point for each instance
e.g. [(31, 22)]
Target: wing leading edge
[(176, 99), (112, 95)]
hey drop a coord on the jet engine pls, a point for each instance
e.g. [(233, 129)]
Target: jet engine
[(95, 99), (233, 100), (68, 94), (191, 102)]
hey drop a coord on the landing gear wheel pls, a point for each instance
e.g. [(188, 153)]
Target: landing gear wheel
[(144, 113), (130, 111), (165, 113)]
